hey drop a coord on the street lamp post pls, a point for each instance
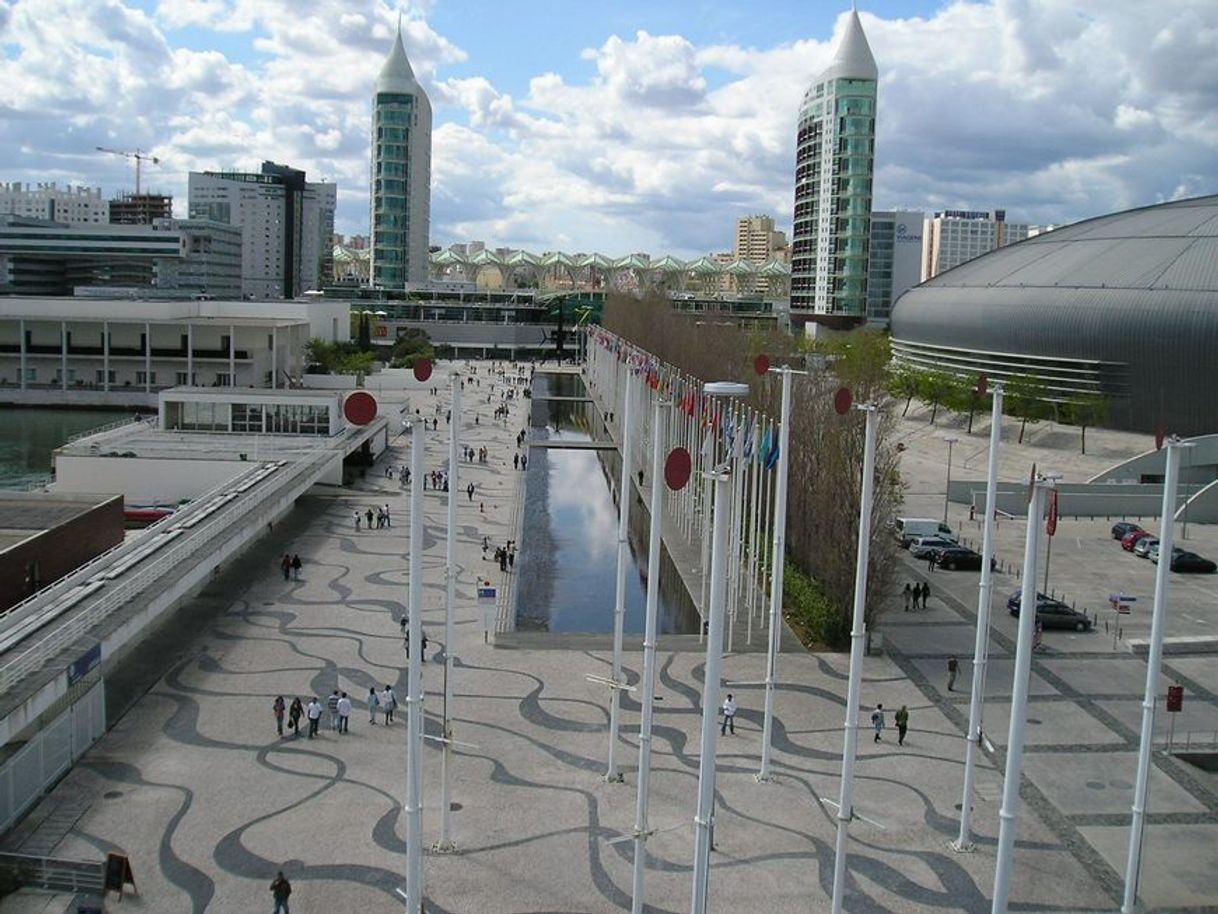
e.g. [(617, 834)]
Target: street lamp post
[(711, 671), (951, 440), (445, 844), (619, 602), (414, 684)]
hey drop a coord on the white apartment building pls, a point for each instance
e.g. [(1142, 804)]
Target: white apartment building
[(953, 237), (286, 226), (68, 205)]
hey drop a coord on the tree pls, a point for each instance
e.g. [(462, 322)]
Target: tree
[(1083, 410), (413, 344), (1026, 400), (936, 388), (322, 354), (964, 397), (903, 382)]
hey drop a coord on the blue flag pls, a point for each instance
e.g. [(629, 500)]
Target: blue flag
[(771, 459)]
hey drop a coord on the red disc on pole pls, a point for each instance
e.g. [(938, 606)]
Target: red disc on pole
[(983, 385), (422, 369), (677, 468), (1159, 436), (761, 364), (842, 400), (360, 408), (1051, 521)]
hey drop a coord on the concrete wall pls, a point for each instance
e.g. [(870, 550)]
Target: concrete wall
[(146, 480), (1198, 463), (52, 553), (1078, 499)]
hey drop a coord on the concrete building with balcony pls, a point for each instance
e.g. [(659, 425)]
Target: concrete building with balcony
[(46, 200), (286, 225), (121, 353)]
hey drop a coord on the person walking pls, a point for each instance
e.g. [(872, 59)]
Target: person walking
[(729, 715), (907, 595), (285, 565), (389, 701), (877, 721), (388, 522), (281, 890), (344, 713), (931, 558), (953, 667), (332, 707), (278, 708), (368, 514), (373, 704), (925, 593), (357, 521), (469, 491), (902, 721), (296, 566), (314, 713), (295, 713)]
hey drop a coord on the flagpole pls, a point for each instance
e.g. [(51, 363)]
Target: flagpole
[(845, 807), (619, 603), (445, 844), (413, 807)]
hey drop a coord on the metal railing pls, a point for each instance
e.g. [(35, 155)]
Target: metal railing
[(54, 873), (1191, 741), (116, 596), (102, 429)]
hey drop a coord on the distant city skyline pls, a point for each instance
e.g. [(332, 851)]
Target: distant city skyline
[(640, 127)]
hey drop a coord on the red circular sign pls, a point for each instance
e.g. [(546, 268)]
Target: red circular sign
[(1160, 434), (677, 468), (360, 408), (422, 370), (761, 364), (842, 400)]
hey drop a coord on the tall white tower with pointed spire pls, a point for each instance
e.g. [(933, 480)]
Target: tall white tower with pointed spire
[(834, 163), (400, 180)]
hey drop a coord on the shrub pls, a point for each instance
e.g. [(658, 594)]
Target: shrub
[(811, 608)]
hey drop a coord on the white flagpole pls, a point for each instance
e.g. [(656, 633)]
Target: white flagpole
[(619, 604), (445, 844), (964, 841), (1154, 660), (845, 807), (648, 685), (414, 684), (1008, 815)]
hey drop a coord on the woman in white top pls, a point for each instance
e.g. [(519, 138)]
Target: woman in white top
[(389, 701)]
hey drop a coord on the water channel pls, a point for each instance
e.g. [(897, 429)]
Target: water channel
[(567, 560)]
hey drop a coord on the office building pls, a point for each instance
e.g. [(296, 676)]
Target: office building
[(140, 209), (894, 263), (1124, 306), (757, 242), (400, 176), (170, 258), (955, 236), (66, 205), (286, 225), (835, 156)]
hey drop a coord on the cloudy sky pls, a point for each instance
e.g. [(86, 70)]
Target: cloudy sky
[(634, 125)]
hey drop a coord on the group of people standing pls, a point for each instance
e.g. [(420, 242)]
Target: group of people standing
[(915, 593), (381, 517), (338, 708)]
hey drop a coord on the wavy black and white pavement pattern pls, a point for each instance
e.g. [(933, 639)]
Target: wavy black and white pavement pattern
[(195, 785)]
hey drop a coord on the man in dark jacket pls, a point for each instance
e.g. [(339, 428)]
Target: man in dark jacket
[(281, 889)]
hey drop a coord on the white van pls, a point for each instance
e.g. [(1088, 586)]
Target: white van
[(910, 528)]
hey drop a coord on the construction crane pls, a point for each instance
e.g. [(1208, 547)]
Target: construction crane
[(138, 155)]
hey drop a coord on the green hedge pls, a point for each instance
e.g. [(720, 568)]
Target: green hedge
[(809, 606)]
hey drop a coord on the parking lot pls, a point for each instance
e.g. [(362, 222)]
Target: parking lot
[(1084, 712)]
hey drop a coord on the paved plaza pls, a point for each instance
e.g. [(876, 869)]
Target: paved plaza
[(208, 801)]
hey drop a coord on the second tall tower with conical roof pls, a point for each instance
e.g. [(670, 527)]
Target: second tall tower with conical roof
[(400, 181), (834, 164)]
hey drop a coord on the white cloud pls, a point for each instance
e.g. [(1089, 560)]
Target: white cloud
[(1053, 109)]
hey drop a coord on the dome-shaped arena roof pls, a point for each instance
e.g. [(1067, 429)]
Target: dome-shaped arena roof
[(1125, 305)]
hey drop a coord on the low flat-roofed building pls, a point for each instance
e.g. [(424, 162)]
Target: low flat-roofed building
[(45, 535), (259, 412), (120, 352)]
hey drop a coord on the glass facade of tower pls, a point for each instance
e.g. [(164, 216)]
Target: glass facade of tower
[(393, 117), (834, 163)]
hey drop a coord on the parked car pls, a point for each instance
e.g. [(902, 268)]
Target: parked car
[(923, 546), (911, 528), (1123, 528), (1191, 563), (960, 557), (1142, 547), (1129, 540), (1051, 613), (1153, 552)]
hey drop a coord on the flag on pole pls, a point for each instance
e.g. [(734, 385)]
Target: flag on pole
[(771, 459), (750, 440)]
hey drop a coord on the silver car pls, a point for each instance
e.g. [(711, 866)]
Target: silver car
[(923, 546)]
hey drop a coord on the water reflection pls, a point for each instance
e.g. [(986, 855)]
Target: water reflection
[(568, 551)]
